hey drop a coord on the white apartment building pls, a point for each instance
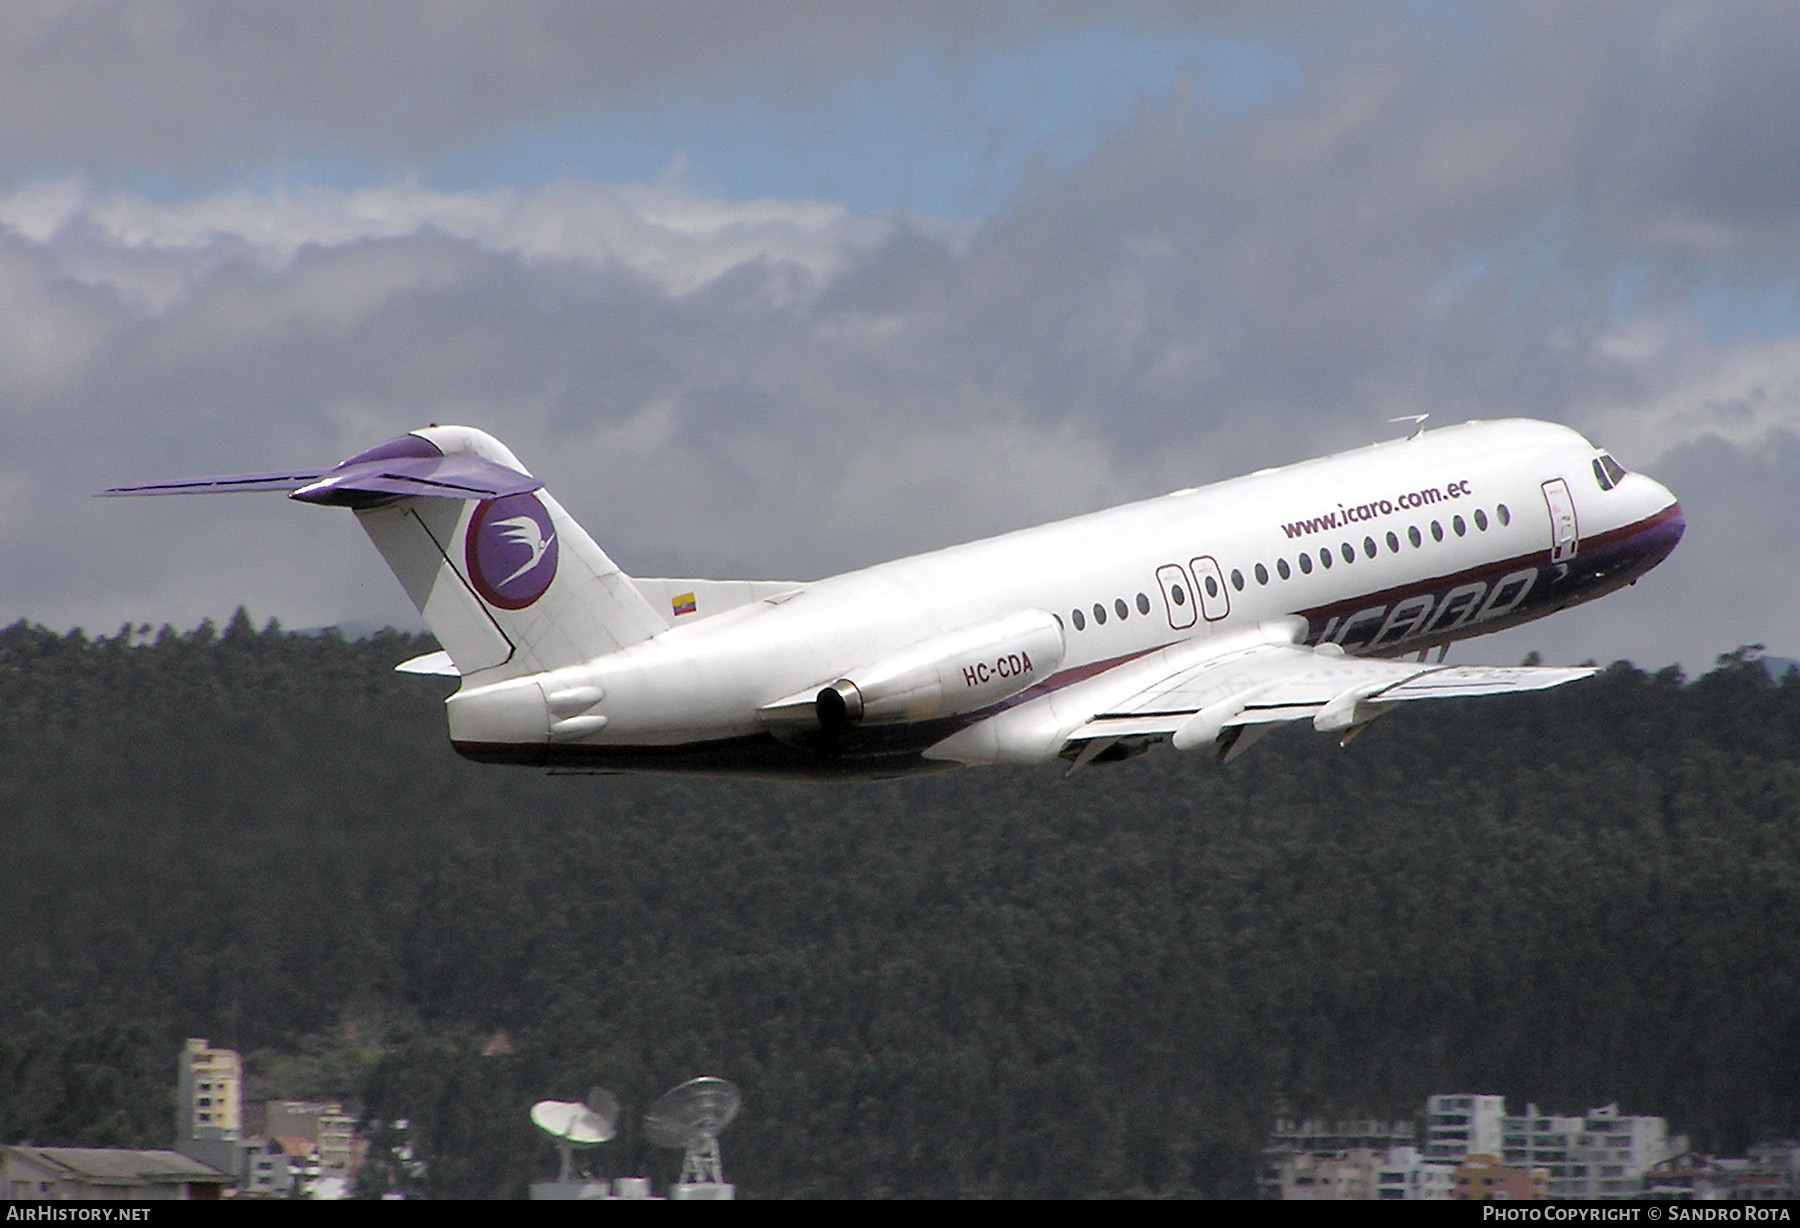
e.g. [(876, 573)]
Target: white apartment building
[(1458, 1126), (1406, 1175), (1547, 1141), (1325, 1139), (1600, 1155), (1346, 1176)]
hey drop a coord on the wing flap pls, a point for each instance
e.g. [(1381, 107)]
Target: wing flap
[(1273, 682), (1470, 680), (1116, 726)]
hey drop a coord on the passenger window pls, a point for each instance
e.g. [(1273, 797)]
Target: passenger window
[(1143, 604), (1175, 592), (1325, 559), (1481, 520), (1437, 531), (1262, 574), (1079, 620), (1412, 535), (1281, 568), (1306, 564), (1349, 552), (1212, 587), (1369, 546), (1099, 615), (1505, 516), (1121, 609), (1393, 543), (1456, 522), (1237, 579)]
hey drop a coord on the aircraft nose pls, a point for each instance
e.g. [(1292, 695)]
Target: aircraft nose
[(1664, 500), (1663, 510)]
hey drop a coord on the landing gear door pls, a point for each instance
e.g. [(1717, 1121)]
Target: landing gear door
[(1215, 603), (1178, 595), (1564, 538)]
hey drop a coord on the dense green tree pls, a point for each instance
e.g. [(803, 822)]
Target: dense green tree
[(107, 1086), (993, 982)]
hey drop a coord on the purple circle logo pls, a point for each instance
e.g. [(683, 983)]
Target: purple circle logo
[(511, 550)]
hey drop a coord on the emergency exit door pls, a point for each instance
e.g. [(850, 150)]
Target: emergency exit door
[(1215, 602)]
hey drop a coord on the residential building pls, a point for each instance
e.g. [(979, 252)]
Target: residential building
[(1544, 1140), (1690, 1175), (1348, 1175), (1322, 1139), (323, 1124), (89, 1174), (264, 1169), (209, 1089), (1407, 1175), (1602, 1154), (1774, 1169), (1483, 1178), (1459, 1125), (1771, 1170), (1617, 1150)]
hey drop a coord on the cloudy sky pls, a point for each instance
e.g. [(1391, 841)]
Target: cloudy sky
[(782, 289)]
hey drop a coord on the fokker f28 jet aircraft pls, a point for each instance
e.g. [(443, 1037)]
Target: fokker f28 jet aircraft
[(1202, 618)]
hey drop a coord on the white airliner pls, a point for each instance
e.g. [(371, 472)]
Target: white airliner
[(1202, 618)]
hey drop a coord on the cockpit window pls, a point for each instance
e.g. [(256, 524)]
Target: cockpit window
[(1600, 477), (1613, 468)]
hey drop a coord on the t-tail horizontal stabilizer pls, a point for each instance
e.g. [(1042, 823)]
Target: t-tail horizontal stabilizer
[(401, 468), (503, 576)]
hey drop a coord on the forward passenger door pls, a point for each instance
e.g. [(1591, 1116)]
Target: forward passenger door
[(1565, 539)]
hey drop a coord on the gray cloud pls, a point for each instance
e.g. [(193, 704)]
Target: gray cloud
[(1527, 210), (182, 84), (1731, 582)]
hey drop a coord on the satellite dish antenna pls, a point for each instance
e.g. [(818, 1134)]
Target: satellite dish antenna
[(604, 1105), (692, 1117), (574, 1125)]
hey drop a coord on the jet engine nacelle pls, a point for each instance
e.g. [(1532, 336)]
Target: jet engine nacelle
[(958, 671)]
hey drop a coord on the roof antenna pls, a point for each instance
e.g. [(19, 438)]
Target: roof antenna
[(1418, 421), (576, 1125), (691, 1117)]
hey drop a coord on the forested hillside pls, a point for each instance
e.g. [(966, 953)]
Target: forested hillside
[(994, 982)]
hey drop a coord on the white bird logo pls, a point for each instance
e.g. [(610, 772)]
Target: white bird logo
[(524, 530)]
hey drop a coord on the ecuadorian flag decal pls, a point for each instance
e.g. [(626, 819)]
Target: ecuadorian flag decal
[(684, 604)]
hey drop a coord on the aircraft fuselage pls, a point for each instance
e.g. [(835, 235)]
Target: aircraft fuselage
[(1387, 550)]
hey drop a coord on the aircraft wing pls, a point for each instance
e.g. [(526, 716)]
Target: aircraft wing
[(1211, 701)]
